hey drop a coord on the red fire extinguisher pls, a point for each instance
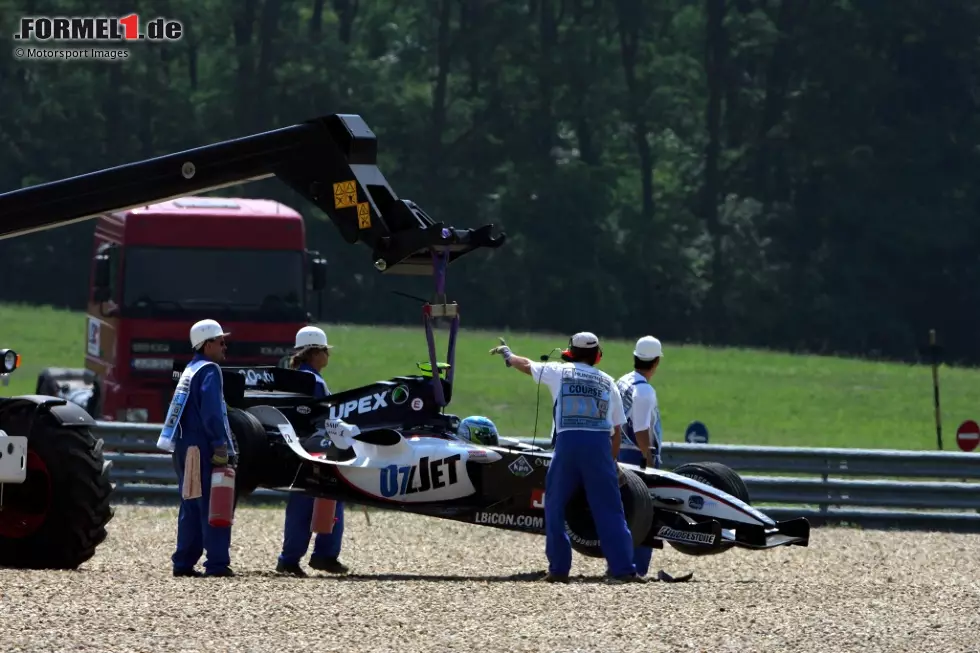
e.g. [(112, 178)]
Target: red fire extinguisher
[(222, 502), (324, 515)]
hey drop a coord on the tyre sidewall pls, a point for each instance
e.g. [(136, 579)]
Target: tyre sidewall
[(580, 524), (78, 508), (721, 478)]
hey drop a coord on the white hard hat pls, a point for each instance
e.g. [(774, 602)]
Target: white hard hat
[(585, 340), (648, 348), (205, 330), (311, 336)]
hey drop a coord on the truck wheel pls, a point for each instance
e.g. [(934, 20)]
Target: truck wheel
[(252, 444), (580, 526), (720, 477), (58, 516)]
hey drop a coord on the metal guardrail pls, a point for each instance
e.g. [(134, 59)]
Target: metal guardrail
[(797, 482)]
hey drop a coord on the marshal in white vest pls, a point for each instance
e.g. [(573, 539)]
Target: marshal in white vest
[(179, 401)]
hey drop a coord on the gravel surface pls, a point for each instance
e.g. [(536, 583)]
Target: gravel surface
[(420, 584)]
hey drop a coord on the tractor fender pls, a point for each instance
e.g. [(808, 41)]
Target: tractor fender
[(65, 412)]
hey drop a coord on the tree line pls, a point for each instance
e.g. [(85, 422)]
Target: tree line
[(790, 174)]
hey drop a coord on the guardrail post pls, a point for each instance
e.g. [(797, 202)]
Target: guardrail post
[(824, 506), (842, 467)]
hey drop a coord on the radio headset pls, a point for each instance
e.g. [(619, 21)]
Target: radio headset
[(537, 404)]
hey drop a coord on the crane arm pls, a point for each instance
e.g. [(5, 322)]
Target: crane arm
[(330, 160)]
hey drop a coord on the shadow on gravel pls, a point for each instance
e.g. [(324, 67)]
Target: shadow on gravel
[(524, 577)]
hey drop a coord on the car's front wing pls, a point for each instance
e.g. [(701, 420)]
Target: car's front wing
[(670, 526)]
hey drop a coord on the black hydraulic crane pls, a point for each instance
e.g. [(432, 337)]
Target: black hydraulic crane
[(331, 161)]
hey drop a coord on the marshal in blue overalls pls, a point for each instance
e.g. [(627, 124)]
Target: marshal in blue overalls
[(311, 342), (587, 407), (198, 417)]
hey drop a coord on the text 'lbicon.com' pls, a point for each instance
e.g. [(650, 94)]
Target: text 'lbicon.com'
[(68, 29)]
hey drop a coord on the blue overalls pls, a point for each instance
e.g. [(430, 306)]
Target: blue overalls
[(630, 453), (583, 456), (198, 416), (299, 514)]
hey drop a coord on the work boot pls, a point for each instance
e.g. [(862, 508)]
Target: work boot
[(224, 573), (187, 573), (330, 565), (293, 569), (555, 578), (627, 578)]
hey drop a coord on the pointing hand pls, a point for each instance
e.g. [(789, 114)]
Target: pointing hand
[(503, 350)]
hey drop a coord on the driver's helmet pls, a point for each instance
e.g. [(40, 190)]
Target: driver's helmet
[(478, 430)]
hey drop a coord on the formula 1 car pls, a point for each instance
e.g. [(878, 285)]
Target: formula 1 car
[(408, 457)]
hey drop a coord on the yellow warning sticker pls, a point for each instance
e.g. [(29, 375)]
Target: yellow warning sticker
[(344, 194), (363, 216)]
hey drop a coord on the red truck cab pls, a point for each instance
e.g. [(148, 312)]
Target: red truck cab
[(159, 268)]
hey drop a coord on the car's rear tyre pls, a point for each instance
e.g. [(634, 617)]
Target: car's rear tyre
[(580, 525), (251, 444), (720, 477), (57, 518)]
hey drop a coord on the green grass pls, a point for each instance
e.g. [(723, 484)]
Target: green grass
[(743, 396)]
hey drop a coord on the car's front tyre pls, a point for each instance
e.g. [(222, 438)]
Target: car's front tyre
[(580, 525)]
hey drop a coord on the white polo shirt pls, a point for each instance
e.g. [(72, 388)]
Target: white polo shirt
[(640, 405), (584, 398)]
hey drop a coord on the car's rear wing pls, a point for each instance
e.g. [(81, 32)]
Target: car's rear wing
[(237, 379), (330, 160)]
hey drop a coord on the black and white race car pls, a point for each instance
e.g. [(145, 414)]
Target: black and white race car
[(407, 457)]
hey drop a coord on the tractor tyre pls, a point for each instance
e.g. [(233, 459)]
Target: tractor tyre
[(580, 526), (720, 477), (57, 518)]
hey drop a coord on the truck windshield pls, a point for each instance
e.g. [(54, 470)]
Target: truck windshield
[(262, 285)]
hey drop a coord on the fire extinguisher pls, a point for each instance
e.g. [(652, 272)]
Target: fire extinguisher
[(222, 502)]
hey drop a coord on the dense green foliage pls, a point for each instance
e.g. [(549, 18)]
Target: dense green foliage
[(743, 396), (783, 173)]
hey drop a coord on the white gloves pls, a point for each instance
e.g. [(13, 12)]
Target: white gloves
[(341, 433), (503, 350)]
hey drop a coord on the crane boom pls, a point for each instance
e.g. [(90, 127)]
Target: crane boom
[(330, 160)]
